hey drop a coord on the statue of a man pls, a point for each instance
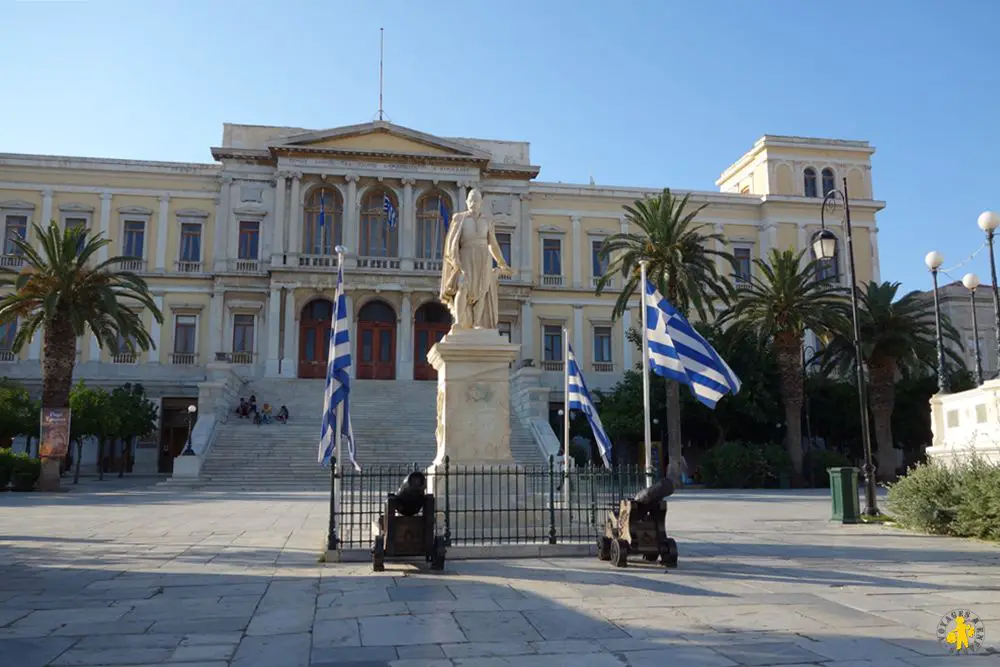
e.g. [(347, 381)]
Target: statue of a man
[(469, 282)]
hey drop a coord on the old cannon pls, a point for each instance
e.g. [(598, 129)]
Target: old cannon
[(406, 529), (640, 526)]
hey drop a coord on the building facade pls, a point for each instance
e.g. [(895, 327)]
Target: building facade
[(956, 304), (240, 257)]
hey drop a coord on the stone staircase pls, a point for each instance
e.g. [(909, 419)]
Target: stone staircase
[(394, 423)]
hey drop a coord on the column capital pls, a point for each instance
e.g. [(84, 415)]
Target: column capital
[(216, 200), (409, 182), (575, 219), (165, 198), (351, 178), (281, 175), (227, 180), (719, 228), (47, 192), (297, 175), (106, 196)]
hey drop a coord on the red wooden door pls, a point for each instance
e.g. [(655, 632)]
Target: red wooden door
[(314, 338), (424, 337), (376, 351)]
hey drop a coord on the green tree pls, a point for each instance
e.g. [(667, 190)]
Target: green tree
[(91, 417), (784, 298), (61, 291), (898, 338), (137, 418), (19, 413), (681, 260)]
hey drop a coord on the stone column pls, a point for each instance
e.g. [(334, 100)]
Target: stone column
[(35, 346), (278, 238), (803, 243), (404, 346), (222, 213), (94, 355), (215, 324), (527, 332), (577, 242), (876, 270), (289, 355), (162, 223), (153, 356), (408, 227), (350, 234), (102, 254), (46, 209), (295, 215), (273, 367), (463, 194), (626, 343), (768, 239), (578, 348), (528, 244)]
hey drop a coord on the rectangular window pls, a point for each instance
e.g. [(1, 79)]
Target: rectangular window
[(249, 239), (16, 228), (602, 345), (552, 257), (504, 329), (599, 265), (135, 232), (8, 330), (190, 242), (73, 223), (185, 328), (243, 333), (503, 240), (743, 264), (552, 335)]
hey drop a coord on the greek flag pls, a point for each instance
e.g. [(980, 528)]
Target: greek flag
[(579, 399), (338, 382), (390, 211), (443, 212), (678, 352), (322, 208)]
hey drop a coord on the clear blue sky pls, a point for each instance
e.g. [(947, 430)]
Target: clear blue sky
[(657, 93)]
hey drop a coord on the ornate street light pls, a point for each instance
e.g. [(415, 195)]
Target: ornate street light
[(808, 354), (934, 260), (971, 282), (988, 222), (191, 412), (824, 245)]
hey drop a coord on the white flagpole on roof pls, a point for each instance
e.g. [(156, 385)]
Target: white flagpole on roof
[(647, 432)]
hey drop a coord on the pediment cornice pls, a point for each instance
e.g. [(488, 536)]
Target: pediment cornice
[(449, 148)]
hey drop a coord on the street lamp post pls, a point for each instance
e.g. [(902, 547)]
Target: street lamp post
[(191, 412), (988, 222), (806, 356), (825, 247), (971, 282), (934, 260)]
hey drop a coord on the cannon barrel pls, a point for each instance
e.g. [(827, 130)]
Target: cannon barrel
[(410, 496), (652, 495)]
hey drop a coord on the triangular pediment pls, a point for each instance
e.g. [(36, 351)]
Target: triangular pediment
[(379, 137)]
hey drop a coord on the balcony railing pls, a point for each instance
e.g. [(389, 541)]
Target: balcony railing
[(378, 263), (603, 367), (429, 265), (596, 279), (11, 261), (245, 266), (187, 266), (133, 264), (123, 358), (318, 261), (552, 366), (552, 281), (237, 358), (7, 355), (183, 358)]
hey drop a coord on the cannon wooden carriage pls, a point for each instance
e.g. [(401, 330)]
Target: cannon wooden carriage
[(640, 527), (407, 528)]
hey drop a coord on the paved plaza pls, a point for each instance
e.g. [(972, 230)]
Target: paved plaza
[(108, 575)]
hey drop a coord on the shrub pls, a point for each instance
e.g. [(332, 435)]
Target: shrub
[(740, 465), (818, 460), (961, 500), (25, 472), (6, 467)]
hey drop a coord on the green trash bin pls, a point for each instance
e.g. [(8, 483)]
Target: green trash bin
[(844, 494)]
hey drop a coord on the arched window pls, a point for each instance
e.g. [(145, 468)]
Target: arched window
[(324, 218), (379, 227), (829, 269), (828, 182), (377, 311), (809, 176), (433, 214)]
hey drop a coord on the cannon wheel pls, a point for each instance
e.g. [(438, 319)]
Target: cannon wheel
[(378, 554), (437, 559), (619, 553), (604, 548), (668, 553)]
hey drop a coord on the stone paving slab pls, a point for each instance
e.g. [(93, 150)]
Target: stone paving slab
[(143, 577)]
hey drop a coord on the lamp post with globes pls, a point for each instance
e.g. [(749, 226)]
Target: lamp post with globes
[(971, 282), (934, 260), (824, 245), (988, 222), (191, 412)]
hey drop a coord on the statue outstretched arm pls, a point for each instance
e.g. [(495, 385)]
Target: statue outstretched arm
[(497, 252)]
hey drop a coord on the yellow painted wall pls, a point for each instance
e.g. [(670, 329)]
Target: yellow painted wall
[(108, 179), (382, 141)]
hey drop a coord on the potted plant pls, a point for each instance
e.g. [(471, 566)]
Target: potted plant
[(25, 473), (6, 467)]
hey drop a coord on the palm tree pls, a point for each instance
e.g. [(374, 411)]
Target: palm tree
[(897, 338), (786, 298), (681, 262), (58, 291)]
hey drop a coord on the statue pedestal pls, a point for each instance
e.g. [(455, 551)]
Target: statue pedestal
[(473, 398)]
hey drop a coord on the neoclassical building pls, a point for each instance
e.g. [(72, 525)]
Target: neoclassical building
[(240, 256)]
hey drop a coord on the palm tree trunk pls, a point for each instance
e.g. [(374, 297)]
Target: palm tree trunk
[(788, 350), (882, 401), (100, 459), (59, 347), (674, 432)]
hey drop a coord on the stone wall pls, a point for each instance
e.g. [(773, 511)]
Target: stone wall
[(965, 423)]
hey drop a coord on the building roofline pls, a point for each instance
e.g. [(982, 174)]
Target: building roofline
[(99, 162)]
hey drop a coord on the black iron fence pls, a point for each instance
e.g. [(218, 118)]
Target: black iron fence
[(490, 505)]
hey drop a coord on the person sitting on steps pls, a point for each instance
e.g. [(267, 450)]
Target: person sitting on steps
[(283, 415)]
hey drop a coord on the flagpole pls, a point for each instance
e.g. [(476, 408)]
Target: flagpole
[(338, 446), (647, 433), (565, 483)]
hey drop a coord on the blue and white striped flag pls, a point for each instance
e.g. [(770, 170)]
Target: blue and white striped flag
[(579, 399), (678, 352), (390, 212), (443, 212), (338, 382)]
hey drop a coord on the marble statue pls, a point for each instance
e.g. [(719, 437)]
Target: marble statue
[(469, 281)]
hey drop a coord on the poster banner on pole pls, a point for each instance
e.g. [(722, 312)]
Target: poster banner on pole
[(54, 441)]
